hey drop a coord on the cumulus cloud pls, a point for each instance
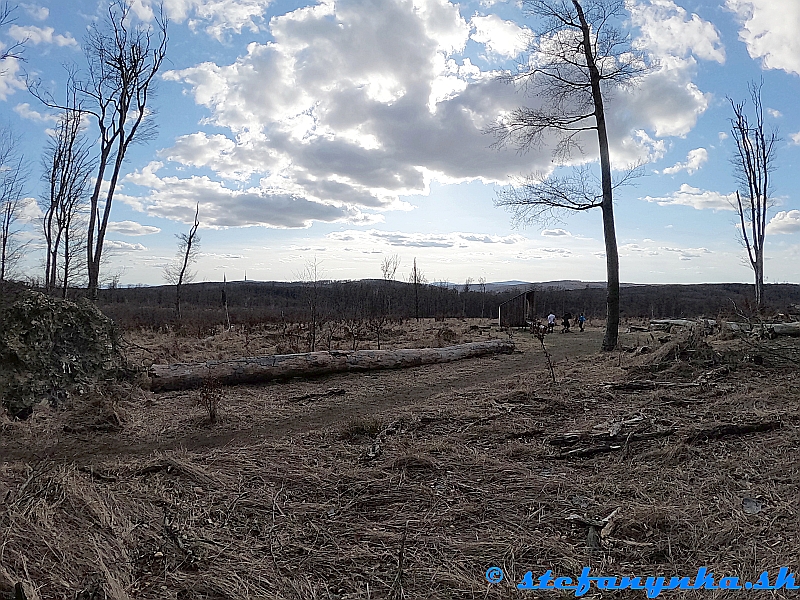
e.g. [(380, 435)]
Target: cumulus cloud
[(556, 232), (668, 31), (41, 35), (29, 211), (505, 38), (216, 17), (696, 198), (10, 79), (25, 111), (795, 138), (175, 198), (40, 13), (769, 29), (694, 160), (132, 228), (786, 221), (326, 112)]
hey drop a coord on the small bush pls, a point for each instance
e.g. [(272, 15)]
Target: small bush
[(212, 395)]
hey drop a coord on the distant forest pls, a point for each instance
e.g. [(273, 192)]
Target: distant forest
[(254, 302)]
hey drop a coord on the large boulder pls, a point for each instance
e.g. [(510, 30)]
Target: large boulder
[(51, 349)]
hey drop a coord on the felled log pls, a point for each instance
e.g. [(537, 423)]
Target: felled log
[(181, 376), (792, 329)]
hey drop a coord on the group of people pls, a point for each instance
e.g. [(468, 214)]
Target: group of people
[(565, 323)]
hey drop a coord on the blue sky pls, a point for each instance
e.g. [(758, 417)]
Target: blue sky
[(352, 130)]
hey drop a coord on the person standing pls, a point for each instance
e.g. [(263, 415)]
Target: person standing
[(581, 321), (565, 323), (551, 322)]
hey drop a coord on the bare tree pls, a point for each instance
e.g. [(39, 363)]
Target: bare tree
[(67, 166), (178, 272), (13, 177), (482, 286), (753, 163), (389, 266), (579, 56), (417, 279), (15, 50), (123, 60), (310, 277)]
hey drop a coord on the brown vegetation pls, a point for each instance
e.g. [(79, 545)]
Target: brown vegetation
[(412, 483)]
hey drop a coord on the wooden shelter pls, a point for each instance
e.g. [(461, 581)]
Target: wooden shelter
[(520, 311)]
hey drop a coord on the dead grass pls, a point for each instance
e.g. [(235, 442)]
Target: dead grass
[(467, 477)]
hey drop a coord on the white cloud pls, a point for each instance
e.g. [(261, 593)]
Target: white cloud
[(556, 233), (25, 111), (696, 198), (694, 160), (505, 38), (326, 112), (776, 114), (687, 253), (216, 17), (40, 13), (220, 206), (10, 80), (41, 35), (769, 29), (795, 138), (784, 222), (29, 211), (722, 136), (668, 32), (132, 228), (374, 237), (123, 246)]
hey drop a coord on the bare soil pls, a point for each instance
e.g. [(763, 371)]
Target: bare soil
[(411, 483)]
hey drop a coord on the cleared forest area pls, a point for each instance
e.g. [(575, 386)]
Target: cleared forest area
[(412, 483)]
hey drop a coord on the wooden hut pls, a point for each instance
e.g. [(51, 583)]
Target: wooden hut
[(520, 311)]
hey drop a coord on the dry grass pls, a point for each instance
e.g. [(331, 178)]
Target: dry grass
[(471, 476)]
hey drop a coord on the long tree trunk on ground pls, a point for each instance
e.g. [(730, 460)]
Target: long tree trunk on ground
[(265, 368)]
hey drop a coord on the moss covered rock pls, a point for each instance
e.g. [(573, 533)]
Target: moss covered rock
[(51, 348)]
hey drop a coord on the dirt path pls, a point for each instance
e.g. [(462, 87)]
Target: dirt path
[(269, 411)]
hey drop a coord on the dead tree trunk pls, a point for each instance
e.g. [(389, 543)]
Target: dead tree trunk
[(264, 368)]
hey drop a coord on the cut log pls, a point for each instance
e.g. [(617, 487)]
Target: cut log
[(181, 376), (792, 329)]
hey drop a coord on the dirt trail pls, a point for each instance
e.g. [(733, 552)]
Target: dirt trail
[(372, 395)]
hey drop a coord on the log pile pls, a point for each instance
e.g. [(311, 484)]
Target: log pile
[(181, 376)]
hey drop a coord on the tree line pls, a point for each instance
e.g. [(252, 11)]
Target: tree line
[(375, 303)]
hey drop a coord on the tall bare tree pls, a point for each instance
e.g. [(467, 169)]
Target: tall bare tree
[(311, 276), (13, 177), (753, 163), (579, 54), (67, 166), (179, 271), (417, 279), (123, 61)]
